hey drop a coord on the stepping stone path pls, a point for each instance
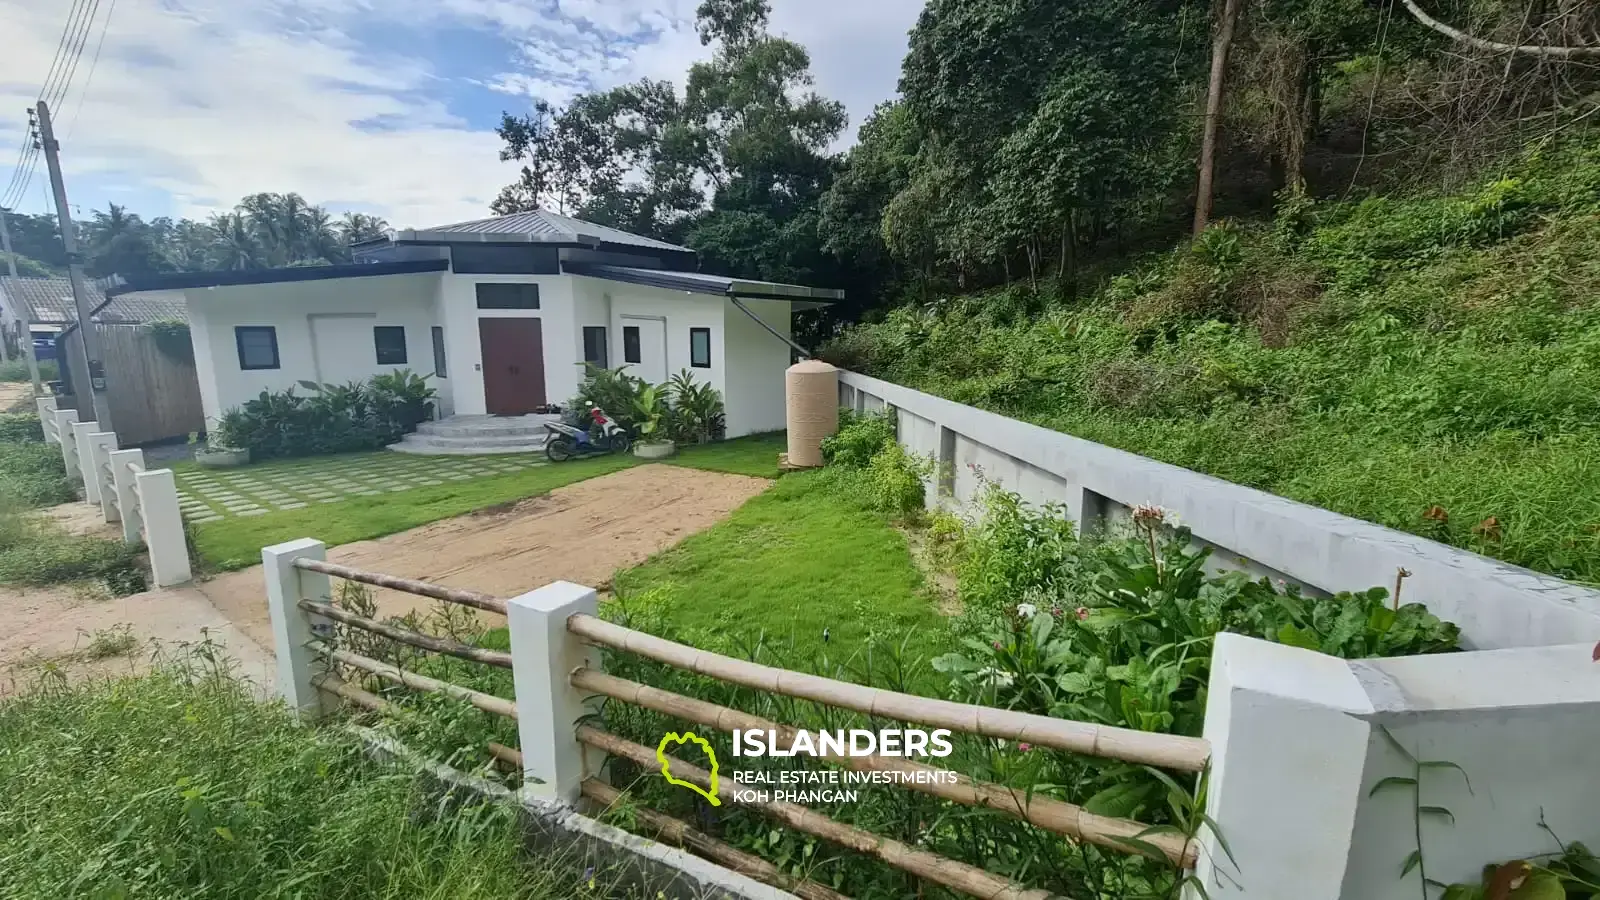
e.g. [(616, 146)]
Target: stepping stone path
[(210, 495)]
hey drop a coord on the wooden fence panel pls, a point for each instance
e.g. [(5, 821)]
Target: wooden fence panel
[(153, 396)]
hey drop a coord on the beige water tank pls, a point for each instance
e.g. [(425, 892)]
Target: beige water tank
[(812, 392)]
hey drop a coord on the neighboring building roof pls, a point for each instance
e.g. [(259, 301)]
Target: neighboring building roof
[(48, 300), (180, 280), (539, 226), (699, 283)]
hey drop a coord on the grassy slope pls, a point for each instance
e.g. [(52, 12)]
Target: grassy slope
[(1430, 364), (164, 787), (235, 543), (799, 558)]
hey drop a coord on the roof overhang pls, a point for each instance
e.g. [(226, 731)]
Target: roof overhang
[(184, 280), (799, 296)]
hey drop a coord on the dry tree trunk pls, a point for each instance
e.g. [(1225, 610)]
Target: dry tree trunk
[(1214, 91)]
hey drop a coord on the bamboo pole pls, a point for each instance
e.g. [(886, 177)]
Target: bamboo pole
[(487, 702), (474, 599), (1166, 751), (683, 834), (506, 755), (1037, 810), (354, 694), (958, 876), (407, 636)]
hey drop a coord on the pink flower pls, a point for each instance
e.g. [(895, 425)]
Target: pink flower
[(1083, 613), (1024, 747), (997, 646)]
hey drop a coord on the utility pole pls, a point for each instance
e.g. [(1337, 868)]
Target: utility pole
[(95, 379), (23, 314)]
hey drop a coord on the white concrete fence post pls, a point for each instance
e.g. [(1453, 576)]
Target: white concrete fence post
[(47, 418), (101, 446), (83, 454), (293, 628), (127, 494), (544, 655), (163, 527), (1288, 754), (65, 419)]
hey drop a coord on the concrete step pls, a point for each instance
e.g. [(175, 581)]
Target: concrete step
[(487, 426), (435, 445)]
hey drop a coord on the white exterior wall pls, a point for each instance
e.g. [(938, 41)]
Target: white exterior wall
[(407, 300), (755, 396), (464, 352)]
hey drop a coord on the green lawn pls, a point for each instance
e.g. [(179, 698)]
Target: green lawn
[(803, 557), (235, 543)]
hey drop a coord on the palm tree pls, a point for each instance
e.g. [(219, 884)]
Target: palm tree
[(190, 246), (322, 238), (235, 245), (356, 227)]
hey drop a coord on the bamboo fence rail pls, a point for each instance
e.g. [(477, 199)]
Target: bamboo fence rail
[(487, 702), (683, 834), (474, 599), (356, 695), (1037, 810), (409, 637), (958, 876), (1162, 750)]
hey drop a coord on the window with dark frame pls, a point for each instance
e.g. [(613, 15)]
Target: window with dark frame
[(594, 345), (390, 342), (630, 344), (438, 352), (258, 346), (700, 348), (493, 295)]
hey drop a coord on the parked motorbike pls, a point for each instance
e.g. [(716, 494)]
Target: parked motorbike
[(570, 441)]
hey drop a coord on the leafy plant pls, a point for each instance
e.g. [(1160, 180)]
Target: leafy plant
[(698, 416), (897, 481), (860, 438), (650, 413), (330, 419), (613, 390), (172, 338)]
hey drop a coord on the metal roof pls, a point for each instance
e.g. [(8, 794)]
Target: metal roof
[(538, 226), (700, 283), (180, 280)]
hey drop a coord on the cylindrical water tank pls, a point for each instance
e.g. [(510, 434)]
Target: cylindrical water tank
[(812, 391)]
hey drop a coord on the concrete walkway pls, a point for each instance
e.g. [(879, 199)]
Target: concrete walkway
[(206, 495)]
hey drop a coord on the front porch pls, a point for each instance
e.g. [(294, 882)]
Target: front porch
[(478, 436)]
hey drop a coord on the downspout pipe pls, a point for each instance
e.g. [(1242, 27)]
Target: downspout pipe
[(804, 353)]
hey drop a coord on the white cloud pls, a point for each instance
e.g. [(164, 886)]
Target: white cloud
[(209, 100)]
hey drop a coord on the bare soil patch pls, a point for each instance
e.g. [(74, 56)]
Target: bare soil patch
[(50, 632), (583, 533), (78, 517)]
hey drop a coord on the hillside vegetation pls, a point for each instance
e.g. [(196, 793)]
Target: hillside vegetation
[(1429, 363)]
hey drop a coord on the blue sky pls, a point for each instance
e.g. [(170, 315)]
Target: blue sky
[(383, 106)]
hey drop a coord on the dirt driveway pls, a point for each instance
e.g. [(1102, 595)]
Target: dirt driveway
[(584, 532)]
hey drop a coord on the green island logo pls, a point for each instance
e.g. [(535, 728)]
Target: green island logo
[(675, 739)]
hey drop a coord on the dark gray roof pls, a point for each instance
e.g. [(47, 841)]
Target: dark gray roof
[(700, 283), (538, 226), (140, 308), (177, 281)]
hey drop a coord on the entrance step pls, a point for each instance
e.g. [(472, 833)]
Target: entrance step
[(477, 435)]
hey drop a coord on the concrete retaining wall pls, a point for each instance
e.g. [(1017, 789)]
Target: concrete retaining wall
[(1496, 604)]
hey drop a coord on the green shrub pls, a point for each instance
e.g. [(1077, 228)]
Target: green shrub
[(698, 416), (860, 438), (896, 481), (331, 418), (21, 428), (613, 390), (682, 409)]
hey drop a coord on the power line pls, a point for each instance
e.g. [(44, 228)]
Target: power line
[(77, 29), (77, 54), (61, 44), (88, 82)]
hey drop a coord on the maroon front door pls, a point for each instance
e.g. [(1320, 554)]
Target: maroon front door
[(513, 365)]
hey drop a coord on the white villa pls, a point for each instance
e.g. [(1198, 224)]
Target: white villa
[(503, 312)]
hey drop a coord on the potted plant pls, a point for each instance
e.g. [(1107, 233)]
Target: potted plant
[(215, 452), (650, 414)]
